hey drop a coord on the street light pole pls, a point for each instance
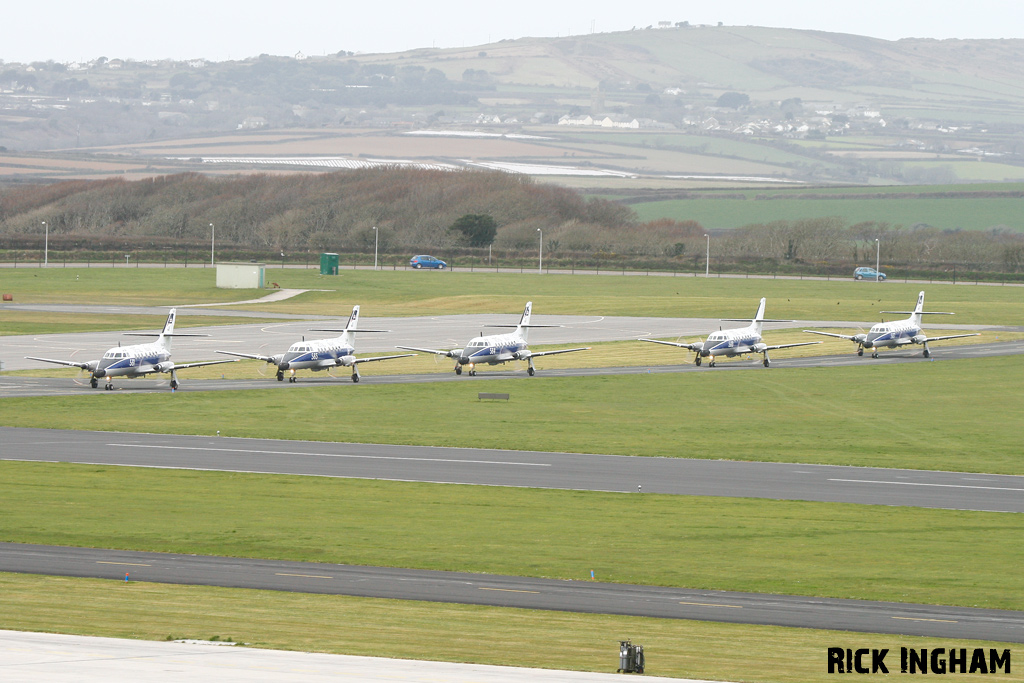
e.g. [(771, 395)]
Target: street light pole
[(707, 258), (878, 251), (213, 240), (540, 256), (375, 247), (46, 244)]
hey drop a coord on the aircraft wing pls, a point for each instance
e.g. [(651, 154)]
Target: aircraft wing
[(538, 354), (948, 336), (367, 360), (253, 356), (692, 347), (83, 366), (439, 352), (831, 334), (787, 346), (182, 366)]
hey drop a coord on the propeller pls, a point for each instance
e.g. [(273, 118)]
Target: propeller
[(261, 368)]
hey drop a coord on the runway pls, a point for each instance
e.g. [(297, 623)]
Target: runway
[(482, 467), (521, 592)]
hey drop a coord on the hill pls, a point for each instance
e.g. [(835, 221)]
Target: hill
[(674, 107)]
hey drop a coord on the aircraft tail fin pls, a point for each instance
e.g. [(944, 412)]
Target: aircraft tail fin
[(353, 320), (524, 323), (168, 332), (759, 316)]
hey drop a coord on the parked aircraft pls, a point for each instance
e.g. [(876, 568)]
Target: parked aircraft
[(736, 341), (897, 333), (498, 348), (321, 354), (138, 360)]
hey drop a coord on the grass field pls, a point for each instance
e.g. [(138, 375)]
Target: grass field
[(409, 293), (752, 545), (945, 214), (950, 415), (456, 633), (960, 415)]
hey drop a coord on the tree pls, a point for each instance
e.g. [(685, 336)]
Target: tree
[(478, 228), (733, 100)]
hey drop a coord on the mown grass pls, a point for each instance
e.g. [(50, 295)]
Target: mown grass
[(15, 322), (948, 415), (411, 293), (764, 546), (455, 633)]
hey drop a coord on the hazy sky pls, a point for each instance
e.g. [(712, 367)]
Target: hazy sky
[(63, 30)]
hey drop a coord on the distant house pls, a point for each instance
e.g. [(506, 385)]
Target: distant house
[(609, 122), (197, 63), (299, 56), (252, 123), (576, 120), (115, 64)]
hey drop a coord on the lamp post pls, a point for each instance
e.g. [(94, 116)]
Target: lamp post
[(540, 256), (213, 241), (878, 251), (46, 244), (707, 258), (375, 247)]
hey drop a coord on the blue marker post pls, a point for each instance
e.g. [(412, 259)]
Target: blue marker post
[(126, 577), (591, 574)]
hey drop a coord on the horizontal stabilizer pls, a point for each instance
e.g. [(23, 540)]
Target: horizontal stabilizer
[(167, 334), (345, 330)]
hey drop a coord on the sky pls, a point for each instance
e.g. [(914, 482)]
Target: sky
[(215, 30)]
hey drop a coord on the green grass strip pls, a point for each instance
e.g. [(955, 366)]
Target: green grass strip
[(803, 548), (442, 632), (943, 415)]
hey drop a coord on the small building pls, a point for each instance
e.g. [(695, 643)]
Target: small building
[(241, 275)]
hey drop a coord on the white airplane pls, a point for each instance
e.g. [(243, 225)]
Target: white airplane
[(896, 333), (321, 354), (735, 342), (138, 360), (498, 348)]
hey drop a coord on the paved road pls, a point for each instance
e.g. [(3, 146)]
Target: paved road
[(521, 592), (571, 471)]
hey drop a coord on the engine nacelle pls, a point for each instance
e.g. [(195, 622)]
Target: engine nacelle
[(455, 353), (166, 366), (859, 338), (347, 361), (759, 347), (919, 338)]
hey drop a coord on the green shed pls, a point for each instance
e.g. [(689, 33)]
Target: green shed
[(328, 264)]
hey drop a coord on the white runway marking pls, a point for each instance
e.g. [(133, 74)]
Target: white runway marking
[(331, 455)]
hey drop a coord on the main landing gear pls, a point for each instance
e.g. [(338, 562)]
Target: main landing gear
[(93, 382), (530, 370), (280, 375), (355, 377), (458, 369)]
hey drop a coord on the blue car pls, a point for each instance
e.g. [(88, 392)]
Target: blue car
[(868, 274), (425, 261)]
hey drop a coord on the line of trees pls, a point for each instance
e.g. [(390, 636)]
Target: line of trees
[(416, 210)]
